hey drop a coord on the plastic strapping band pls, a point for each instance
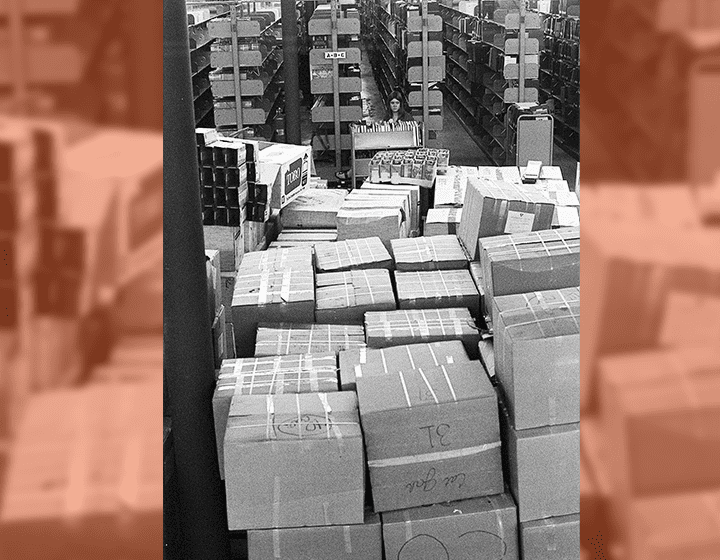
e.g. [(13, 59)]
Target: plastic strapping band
[(566, 302), (431, 457), (404, 386), (547, 250), (363, 355), (299, 415), (498, 516), (408, 526), (286, 281), (412, 362), (348, 540), (551, 536), (270, 406), (384, 361), (552, 408), (358, 371), (512, 241), (326, 513), (314, 387), (263, 295), (273, 380), (425, 379), (447, 378), (432, 353), (79, 462), (277, 483)]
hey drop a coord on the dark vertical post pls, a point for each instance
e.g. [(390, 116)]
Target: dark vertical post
[(188, 352), (291, 63)]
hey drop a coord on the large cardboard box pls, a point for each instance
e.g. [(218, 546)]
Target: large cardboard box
[(385, 223), (444, 441), (270, 296), (660, 410), (367, 252), (543, 466), (344, 297), (554, 538), (429, 253), (537, 356), (375, 198), (659, 264), (393, 328), (675, 526), (313, 208), (450, 188), (477, 528), (229, 241), (436, 289), (442, 221), (288, 338), (298, 373), (412, 190), (287, 168), (340, 542), (279, 259), (496, 208), (376, 361), (522, 263), (508, 174), (294, 460)]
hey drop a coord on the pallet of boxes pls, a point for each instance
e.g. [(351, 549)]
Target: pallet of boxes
[(357, 420)]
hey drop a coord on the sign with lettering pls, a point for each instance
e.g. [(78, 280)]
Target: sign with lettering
[(335, 54)]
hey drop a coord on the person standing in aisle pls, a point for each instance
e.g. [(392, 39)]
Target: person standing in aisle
[(397, 110)]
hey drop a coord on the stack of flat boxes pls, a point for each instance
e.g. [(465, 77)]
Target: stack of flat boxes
[(310, 218), (444, 217), (528, 281)]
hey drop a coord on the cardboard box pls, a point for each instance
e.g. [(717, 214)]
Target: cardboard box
[(414, 192), (313, 208), (660, 410), (429, 253), (554, 538), (287, 168), (344, 542), (537, 356), (442, 221), (268, 296), (273, 477), (392, 328), (657, 262), (367, 252), (450, 188), (437, 289), (300, 373), (378, 361), (543, 466), (477, 528), (523, 263), (288, 338), (477, 275), (444, 444), (675, 526), (385, 223), (278, 259), (507, 174), (497, 208), (344, 297), (218, 335), (229, 242)]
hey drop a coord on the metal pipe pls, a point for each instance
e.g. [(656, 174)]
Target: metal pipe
[(188, 351), (291, 64)]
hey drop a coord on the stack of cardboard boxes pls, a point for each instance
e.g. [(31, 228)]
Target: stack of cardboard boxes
[(367, 397)]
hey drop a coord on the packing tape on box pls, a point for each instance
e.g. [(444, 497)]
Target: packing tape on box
[(277, 484), (263, 291), (348, 539), (276, 543), (285, 289), (551, 532), (408, 526), (432, 457), (412, 362), (427, 383), (498, 517)]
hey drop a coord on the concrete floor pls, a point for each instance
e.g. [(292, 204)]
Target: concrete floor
[(454, 136)]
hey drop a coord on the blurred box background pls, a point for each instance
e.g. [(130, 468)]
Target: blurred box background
[(80, 278), (650, 274)]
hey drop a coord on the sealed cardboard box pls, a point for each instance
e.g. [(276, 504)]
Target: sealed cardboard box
[(537, 356), (299, 373), (442, 221), (508, 174), (273, 473), (658, 263), (270, 296), (675, 526), (287, 168), (478, 528), (386, 223), (554, 538), (450, 188), (497, 208), (367, 252), (278, 259), (543, 466), (344, 297), (289, 338), (314, 208), (660, 410), (429, 253), (393, 328), (372, 198), (378, 361), (522, 263), (436, 289), (412, 190), (340, 542), (431, 435)]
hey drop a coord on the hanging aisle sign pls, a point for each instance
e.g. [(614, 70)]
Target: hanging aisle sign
[(339, 55)]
